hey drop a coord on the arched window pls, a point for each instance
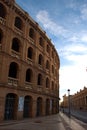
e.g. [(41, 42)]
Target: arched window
[(18, 23), (1, 36), (13, 70), (52, 85), (41, 41), (31, 33), (40, 59), (56, 73), (2, 11), (47, 83), (52, 54), (30, 53), (48, 48), (29, 75), (55, 87), (39, 82), (52, 69), (15, 44), (86, 99), (47, 65)]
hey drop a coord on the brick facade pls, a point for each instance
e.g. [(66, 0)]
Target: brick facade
[(78, 101), (29, 66)]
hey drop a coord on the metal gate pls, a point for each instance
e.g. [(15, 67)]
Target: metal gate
[(26, 107), (39, 107), (47, 106), (9, 107)]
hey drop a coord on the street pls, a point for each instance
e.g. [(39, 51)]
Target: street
[(81, 115), (53, 122), (72, 123)]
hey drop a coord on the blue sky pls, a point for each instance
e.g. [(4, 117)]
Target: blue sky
[(65, 23)]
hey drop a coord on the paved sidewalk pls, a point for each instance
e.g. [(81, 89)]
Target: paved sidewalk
[(81, 115), (54, 122), (72, 123)]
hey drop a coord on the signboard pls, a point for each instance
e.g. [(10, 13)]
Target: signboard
[(21, 104)]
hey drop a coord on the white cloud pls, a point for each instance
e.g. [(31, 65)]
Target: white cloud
[(84, 12), (72, 4), (58, 30), (73, 78), (76, 6), (73, 38), (76, 48), (84, 38), (48, 23), (78, 37), (75, 54)]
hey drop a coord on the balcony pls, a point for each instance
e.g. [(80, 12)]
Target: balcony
[(18, 31), (12, 82), (15, 54), (47, 91), (28, 85), (31, 40), (47, 71), (40, 66), (39, 88), (29, 61), (2, 21)]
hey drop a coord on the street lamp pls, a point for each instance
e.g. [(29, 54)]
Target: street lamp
[(63, 104), (69, 102)]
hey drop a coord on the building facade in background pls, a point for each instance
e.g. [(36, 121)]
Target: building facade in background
[(78, 101), (29, 66)]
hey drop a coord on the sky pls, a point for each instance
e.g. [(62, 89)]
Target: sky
[(65, 23)]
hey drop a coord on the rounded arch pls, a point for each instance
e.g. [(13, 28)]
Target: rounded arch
[(53, 106), (31, 33), (29, 75), (53, 54), (39, 81), (1, 35), (13, 70), (47, 65), (11, 106), (53, 85), (47, 106), (56, 88), (47, 82), (39, 106), (2, 11), (15, 44), (18, 22), (48, 48), (30, 53), (52, 69), (27, 112), (40, 59), (41, 42)]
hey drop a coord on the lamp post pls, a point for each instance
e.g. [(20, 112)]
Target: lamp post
[(63, 104), (69, 102)]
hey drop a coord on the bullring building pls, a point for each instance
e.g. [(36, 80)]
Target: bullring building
[(29, 66)]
